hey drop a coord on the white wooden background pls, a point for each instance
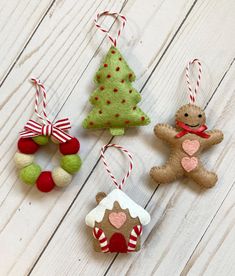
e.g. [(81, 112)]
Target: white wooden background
[(192, 230)]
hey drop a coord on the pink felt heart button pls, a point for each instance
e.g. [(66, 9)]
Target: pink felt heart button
[(191, 146), (189, 163), (117, 219)]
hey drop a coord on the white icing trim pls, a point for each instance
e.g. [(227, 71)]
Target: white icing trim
[(97, 214)]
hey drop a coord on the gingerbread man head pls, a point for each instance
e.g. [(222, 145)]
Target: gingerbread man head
[(191, 115)]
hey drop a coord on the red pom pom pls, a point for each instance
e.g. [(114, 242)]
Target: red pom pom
[(70, 147), (45, 182), (27, 145)]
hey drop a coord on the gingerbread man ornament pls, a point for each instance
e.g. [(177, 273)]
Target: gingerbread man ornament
[(187, 140)]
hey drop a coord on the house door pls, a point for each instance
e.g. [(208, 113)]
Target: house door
[(117, 243)]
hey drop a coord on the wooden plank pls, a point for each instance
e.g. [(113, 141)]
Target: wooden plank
[(18, 21), (214, 254), (59, 52), (181, 211)]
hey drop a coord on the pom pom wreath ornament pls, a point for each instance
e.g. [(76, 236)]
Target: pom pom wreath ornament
[(45, 182), (27, 145), (115, 100), (30, 173), (35, 135), (117, 221), (187, 140), (61, 177), (71, 163), (70, 147), (23, 160)]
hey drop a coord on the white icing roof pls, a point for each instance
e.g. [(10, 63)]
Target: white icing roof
[(97, 214)]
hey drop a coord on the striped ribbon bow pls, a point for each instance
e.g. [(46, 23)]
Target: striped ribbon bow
[(46, 128)]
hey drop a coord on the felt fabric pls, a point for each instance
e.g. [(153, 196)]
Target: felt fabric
[(115, 100), (23, 160), (185, 153), (114, 218), (71, 163), (70, 147), (30, 174), (27, 145), (61, 177), (117, 219), (125, 202), (118, 243), (45, 182), (41, 140)]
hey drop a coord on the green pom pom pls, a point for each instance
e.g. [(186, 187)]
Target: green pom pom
[(71, 163), (30, 173), (41, 140)]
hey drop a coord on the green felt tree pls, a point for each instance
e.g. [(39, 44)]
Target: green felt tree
[(115, 100)]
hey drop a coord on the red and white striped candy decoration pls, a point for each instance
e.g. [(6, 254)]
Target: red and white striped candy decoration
[(100, 236), (135, 233), (193, 94), (117, 15), (119, 186)]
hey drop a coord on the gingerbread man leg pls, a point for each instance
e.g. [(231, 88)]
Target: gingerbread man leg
[(203, 177), (166, 173)]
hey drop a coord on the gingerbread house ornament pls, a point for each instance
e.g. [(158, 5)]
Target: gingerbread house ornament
[(117, 221)]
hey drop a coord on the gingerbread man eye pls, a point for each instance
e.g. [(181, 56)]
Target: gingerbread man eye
[(200, 115), (185, 114)]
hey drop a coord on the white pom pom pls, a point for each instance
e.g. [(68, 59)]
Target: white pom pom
[(61, 177), (23, 160)]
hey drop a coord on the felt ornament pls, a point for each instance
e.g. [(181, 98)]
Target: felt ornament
[(115, 99), (117, 220), (36, 135), (187, 140)]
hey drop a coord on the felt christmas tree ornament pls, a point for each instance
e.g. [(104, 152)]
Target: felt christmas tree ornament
[(187, 140), (117, 221), (115, 99), (36, 135)]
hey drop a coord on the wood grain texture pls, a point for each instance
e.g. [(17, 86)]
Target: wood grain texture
[(18, 22), (46, 234)]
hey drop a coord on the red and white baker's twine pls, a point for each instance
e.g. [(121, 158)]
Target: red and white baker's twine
[(119, 186), (193, 94), (117, 15), (47, 128)]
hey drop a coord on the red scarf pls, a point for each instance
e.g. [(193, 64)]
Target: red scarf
[(186, 129)]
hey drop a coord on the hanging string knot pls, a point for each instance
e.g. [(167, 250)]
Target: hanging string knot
[(46, 127)]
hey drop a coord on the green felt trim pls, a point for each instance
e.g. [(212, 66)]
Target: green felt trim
[(117, 131), (115, 100)]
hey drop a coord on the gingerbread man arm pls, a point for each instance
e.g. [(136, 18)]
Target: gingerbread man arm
[(216, 137), (165, 132)]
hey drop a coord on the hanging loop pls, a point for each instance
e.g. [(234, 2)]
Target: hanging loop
[(119, 186), (193, 93), (116, 15), (58, 130)]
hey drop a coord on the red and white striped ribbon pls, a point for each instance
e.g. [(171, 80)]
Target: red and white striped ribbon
[(47, 128), (193, 94), (135, 233), (115, 14), (119, 186), (100, 236)]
